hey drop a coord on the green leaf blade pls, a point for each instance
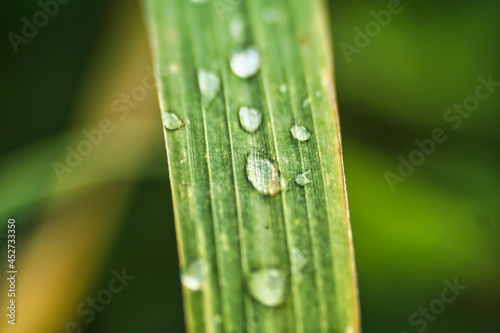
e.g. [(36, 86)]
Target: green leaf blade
[(302, 231)]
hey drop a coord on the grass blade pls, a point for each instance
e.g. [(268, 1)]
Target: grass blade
[(261, 209)]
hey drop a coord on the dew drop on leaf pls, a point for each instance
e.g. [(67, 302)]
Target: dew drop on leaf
[(302, 179), (245, 63), (300, 133), (283, 184), (298, 261), (269, 15), (209, 85), (283, 88), (194, 275), (237, 29), (306, 103), (250, 119), (267, 286), (263, 174), (171, 121), (173, 68)]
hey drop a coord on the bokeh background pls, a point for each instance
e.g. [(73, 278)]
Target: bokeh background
[(113, 210)]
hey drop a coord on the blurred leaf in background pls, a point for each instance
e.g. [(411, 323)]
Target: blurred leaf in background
[(80, 94), (113, 210), (443, 221)]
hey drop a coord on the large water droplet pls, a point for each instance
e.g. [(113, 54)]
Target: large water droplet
[(194, 275), (245, 63), (171, 121), (300, 133), (263, 174), (267, 286), (209, 85), (302, 179), (250, 119)]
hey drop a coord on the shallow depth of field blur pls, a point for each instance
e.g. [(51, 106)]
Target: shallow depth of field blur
[(112, 209)]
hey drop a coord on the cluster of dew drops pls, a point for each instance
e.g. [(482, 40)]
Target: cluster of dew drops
[(262, 173), (267, 285)]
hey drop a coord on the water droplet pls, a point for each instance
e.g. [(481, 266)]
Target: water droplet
[(218, 323), (267, 286), (250, 119), (283, 88), (199, 1), (318, 93), (298, 262), (283, 183), (171, 121), (209, 85), (173, 68), (306, 103), (194, 275), (237, 28), (269, 15), (245, 63), (263, 174), (300, 133), (325, 78), (302, 179)]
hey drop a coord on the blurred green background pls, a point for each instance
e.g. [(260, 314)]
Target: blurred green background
[(113, 210)]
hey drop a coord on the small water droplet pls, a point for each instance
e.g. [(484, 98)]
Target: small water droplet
[(269, 15), (218, 323), (245, 63), (171, 121), (250, 119), (283, 184), (237, 28), (298, 262), (318, 93), (325, 78), (199, 1), (194, 275), (300, 133), (306, 103), (209, 85), (173, 68), (302, 179), (283, 88), (263, 174), (267, 285)]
